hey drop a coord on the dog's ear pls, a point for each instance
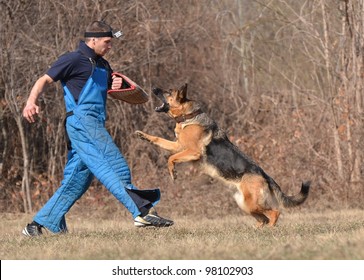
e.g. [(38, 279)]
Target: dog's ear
[(182, 93)]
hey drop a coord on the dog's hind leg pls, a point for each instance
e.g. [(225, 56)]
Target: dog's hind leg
[(254, 198), (261, 218), (273, 216)]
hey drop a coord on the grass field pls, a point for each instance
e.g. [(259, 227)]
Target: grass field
[(327, 235)]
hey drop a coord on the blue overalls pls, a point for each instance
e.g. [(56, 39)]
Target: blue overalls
[(92, 153)]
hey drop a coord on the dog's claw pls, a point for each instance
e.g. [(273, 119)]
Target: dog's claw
[(173, 174), (140, 135)]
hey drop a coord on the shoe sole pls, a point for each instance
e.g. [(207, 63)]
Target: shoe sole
[(139, 225), (150, 224), (26, 233)]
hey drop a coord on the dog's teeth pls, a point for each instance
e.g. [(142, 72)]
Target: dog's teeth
[(159, 107), (163, 108)]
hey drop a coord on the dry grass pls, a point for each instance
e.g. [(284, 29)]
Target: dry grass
[(327, 235)]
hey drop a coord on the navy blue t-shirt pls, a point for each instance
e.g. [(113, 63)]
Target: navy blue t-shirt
[(74, 68)]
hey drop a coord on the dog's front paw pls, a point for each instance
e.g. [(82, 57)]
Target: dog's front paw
[(141, 135)]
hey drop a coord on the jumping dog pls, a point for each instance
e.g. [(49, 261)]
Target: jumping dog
[(198, 138)]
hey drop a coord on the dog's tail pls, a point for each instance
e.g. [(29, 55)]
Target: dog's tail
[(290, 201)]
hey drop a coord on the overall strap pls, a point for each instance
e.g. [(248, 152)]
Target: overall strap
[(68, 141), (94, 64)]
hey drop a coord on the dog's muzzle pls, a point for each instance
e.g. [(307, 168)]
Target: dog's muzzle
[(165, 106)]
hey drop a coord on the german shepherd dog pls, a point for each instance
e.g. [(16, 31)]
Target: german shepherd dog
[(198, 138)]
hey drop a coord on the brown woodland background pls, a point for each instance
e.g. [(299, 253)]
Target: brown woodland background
[(283, 77)]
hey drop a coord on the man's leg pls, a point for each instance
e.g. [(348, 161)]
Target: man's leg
[(98, 151), (77, 179)]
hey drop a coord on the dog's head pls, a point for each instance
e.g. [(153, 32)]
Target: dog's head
[(173, 99)]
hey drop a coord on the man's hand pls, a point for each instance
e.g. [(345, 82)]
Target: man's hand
[(30, 111), (31, 108), (116, 82)]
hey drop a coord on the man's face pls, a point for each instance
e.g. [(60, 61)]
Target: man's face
[(101, 45)]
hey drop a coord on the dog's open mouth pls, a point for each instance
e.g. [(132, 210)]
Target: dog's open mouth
[(165, 106)]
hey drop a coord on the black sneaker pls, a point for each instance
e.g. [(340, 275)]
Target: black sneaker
[(152, 219), (33, 229)]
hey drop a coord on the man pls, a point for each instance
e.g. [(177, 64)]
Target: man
[(86, 76)]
